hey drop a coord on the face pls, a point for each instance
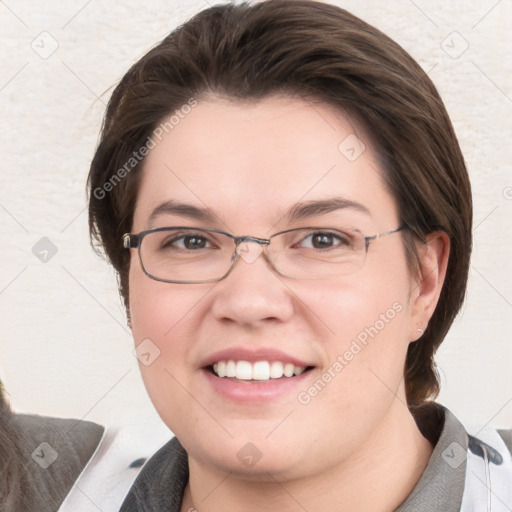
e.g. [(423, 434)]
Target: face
[(249, 166)]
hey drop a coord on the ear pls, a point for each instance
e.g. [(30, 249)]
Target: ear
[(433, 259)]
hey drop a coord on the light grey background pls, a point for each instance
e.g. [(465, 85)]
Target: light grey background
[(65, 346)]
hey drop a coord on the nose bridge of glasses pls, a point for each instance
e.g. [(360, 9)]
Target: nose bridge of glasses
[(250, 247)]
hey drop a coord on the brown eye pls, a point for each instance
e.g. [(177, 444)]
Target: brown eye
[(194, 242), (187, 242), (325, 240)]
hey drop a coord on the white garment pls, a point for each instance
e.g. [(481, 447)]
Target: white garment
[(488, 486), (107, 477)]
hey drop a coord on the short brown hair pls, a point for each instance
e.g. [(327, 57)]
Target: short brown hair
[(312, 50)]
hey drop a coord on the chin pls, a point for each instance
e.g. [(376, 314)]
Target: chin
[(269, 467)]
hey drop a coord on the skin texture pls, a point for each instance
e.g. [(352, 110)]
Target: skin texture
[(354, 446)]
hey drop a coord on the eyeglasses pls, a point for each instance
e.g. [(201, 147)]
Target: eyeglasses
[(200, 255)]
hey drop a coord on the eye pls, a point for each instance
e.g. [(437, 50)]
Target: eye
[(187, 242), (325, 240)]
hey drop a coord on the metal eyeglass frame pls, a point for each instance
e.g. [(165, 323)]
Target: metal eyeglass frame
[(134, 240)]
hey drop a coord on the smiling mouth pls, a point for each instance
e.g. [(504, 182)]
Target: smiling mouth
[(257, 371)]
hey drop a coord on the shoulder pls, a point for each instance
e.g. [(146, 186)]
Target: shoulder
[(55, 451), (463, 458), (73, 440)]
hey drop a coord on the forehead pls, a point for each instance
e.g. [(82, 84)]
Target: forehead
[(252, 161)]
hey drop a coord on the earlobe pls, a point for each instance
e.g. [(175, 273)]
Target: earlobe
[(433, 259)]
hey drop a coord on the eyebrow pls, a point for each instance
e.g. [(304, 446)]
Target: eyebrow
[(297, 212), (305, 210), (183, 210)]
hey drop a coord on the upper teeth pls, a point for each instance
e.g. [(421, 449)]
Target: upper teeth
[(260, 370)]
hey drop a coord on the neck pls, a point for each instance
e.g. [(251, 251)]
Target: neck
[(378, 478)]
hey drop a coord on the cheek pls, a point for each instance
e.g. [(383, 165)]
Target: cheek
[(362, 307), (158, 310), (364, 354), (166, 320), (366, 319), (158, 318)]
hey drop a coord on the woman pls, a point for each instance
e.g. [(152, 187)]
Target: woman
[(282, 194)]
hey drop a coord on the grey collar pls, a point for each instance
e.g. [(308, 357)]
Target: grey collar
[(441, 486)]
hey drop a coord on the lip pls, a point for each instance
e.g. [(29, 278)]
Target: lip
[(259, 354), (256, 392)]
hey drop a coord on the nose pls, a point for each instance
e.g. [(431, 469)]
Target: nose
[(253, 293)]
